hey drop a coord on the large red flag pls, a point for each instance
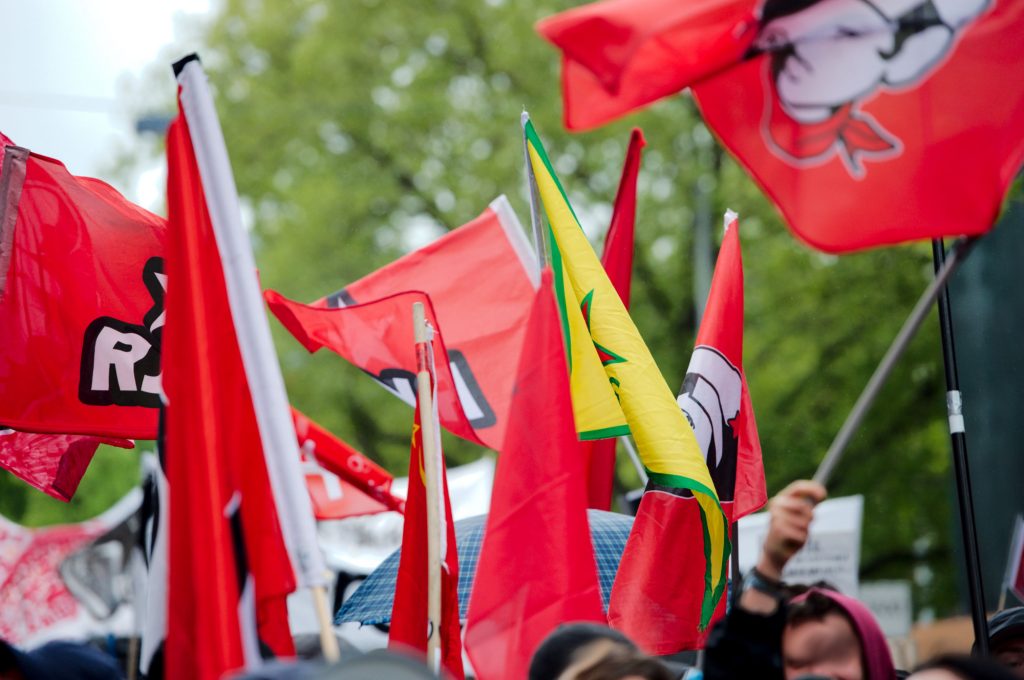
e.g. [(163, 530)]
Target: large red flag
[(342, 482), (617, 260), (409, 615), (536, 568), (480, 279), (52, 463), (837, 107), (715, 399), (228, 563), (81, 303), (376, 335), (620, 55), (837, 132)]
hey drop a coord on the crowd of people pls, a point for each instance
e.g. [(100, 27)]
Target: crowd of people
[(773, 630)]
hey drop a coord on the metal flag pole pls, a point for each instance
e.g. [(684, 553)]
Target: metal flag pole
[(899, 344), (965, 500), (432, 476), (531, 185)]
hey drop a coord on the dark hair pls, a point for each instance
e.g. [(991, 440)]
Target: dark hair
[(559, 650), (969, 667), (626, 665), (815, 607)]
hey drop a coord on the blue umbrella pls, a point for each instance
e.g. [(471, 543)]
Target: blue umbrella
[(371, 602)]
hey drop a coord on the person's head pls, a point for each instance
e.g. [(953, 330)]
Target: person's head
[(961, 667), (624, 665), (1006, 639), (576, 647), (835, 636)]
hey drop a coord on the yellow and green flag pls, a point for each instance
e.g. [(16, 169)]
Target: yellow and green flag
[(665, 441)]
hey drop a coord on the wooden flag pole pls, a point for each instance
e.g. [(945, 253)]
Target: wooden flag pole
[(328, 642), (432, 476)]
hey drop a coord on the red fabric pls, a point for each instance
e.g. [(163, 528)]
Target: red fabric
[(377, 337), (939, 113), (213, 454), (80, 294), (659, 588), (33, 596), (953, 136), (536, 568), (481, 294), (654, 601), (52, 463), (353, 484), (409, 615), (620, 55), (721, 329), (617, 259)]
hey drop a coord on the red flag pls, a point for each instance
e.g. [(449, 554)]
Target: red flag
[(342, 482), (52, 463), (835, 108), (536, 568), (1014, 579), (480, 279), (228, 563), (617, 260), (81, 303), (620, 55), (409, 616), (715, 399), (835, 131), (376, 336), (714, 395)]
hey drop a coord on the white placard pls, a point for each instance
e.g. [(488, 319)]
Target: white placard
[(832, 552), (890, 602)]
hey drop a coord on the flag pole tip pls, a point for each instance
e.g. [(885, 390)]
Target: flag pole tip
[(524, 118), (179, 65), (730, 217)]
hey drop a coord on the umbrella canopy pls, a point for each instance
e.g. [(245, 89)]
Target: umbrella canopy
[(371, 603)]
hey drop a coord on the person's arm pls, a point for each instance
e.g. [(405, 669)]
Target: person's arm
[(790, 514), (748, 643)]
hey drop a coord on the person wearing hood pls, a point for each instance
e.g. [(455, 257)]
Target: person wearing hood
[(819, 633)]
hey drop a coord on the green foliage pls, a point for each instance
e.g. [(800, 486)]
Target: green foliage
[(360, 130), (112, 473)]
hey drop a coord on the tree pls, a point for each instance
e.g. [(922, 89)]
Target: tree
[(360, 130)]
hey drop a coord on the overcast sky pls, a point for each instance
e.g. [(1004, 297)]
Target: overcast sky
[(65, 66)]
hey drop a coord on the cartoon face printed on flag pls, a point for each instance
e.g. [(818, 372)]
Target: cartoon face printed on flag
[(710, 398), (827, 58)]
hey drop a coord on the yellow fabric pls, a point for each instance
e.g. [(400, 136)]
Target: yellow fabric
[(664, 439)]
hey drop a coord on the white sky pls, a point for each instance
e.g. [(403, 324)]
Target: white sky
[(64, 68)]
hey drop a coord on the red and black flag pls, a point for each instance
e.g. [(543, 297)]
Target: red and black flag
[(836, 108), (81, 303)]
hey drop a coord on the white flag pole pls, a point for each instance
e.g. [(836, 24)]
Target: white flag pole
[(270, 401), (432, 477)]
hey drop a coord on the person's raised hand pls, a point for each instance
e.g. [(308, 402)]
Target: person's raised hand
[(790, 513)]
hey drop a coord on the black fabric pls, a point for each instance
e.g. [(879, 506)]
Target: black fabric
[(1005, 626), (63, 661), (746, 645)]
